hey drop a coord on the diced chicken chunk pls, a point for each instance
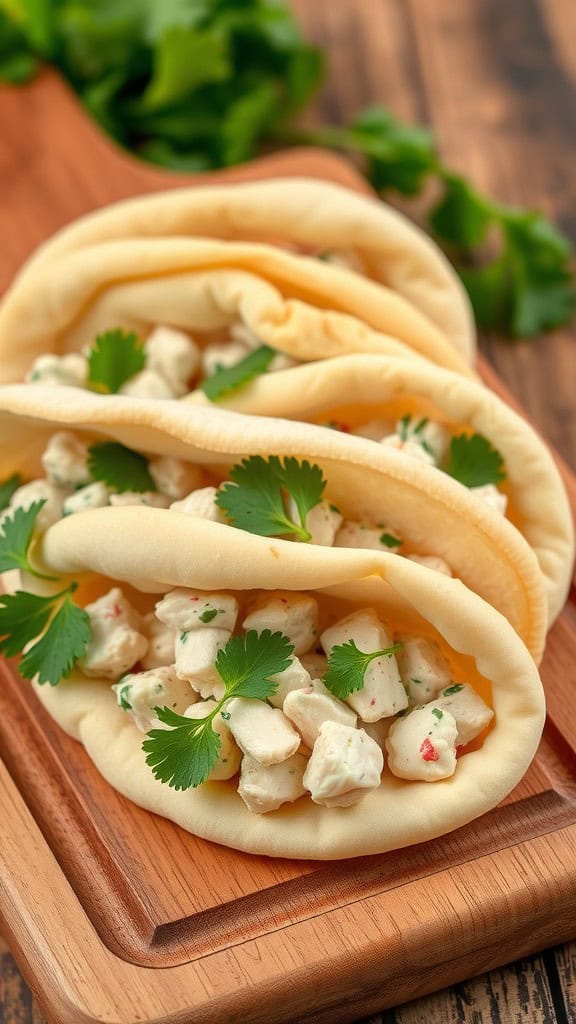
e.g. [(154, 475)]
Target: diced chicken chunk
[(265, 789), (295, 615), (373, 430), (292, 678), (229, 753), (196, 652), (147, 384), (174, 477), (161, 642), (310, 707), (116, 639), (322, 521), (222, 356), (345, 764), (411, 449), (41, 490), (196, 609), (422, 745), (492, 497), (94, 495), (150, 498), (201, 503), (423, 669), (468, 710), (315, 664), (174, 356), (141, 692), (68, 371), (365, 535), (382, 694), (261, 731), (425, 432), (432, 562), (65, 460)]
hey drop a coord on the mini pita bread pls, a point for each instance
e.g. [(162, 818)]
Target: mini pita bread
[(368, 482), (296, 212), (161, 550), (343, 387), (297, 305)]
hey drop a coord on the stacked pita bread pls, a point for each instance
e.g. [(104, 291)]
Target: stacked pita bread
[(364, 339)]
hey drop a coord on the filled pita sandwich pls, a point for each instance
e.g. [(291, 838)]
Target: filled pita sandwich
[(435, 418), (301, 215), (76, 451)]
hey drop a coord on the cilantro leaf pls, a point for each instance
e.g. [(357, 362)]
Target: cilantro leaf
[(184, 754), (7, 489), (462, 217), (119, 467), (474, 461), (246, 663), (114, 358), (399, 156), (23, 617), (230, 378), (15, 538), (185, 58), (347, 667), (61, 626), (390, 541), (52, 657), (254, 502)]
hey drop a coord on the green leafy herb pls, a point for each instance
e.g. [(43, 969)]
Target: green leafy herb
[(390, 541), (54, 630), (208, 615), (254, 500), (119, 467), (455, 688), (8, 488), (227, 379), (184, 754), (115, 357), (122, 695), (347, 667), (438, 713), (474, 461), (15, 538)]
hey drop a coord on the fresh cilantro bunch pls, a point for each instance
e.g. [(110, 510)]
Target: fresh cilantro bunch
[(190, 84), (51, 631), (184, 754), (200, 84)]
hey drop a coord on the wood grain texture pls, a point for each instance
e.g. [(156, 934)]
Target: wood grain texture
[(409, 55)]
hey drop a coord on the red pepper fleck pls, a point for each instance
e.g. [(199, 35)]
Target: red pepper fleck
[(193, 598), (115, 613), (372, 702), (428, 751)]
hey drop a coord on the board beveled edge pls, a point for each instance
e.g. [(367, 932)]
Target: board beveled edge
[(361, 951)]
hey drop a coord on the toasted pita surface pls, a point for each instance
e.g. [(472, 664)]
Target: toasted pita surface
[(296, 212), (432, 512), (543, 513), (299, 305), (137, 544)]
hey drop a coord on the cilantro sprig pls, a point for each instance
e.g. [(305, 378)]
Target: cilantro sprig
[(16, 533), (184, 754), (254, 500), (347, 666), (7, 489), (120, 468), (52, 631), (473, 461), (229, 378), (115, 357)]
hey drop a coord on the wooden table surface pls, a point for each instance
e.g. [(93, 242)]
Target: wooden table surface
[(497, 83)]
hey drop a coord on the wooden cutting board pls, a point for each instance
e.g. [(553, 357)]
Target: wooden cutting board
[(117, 915)]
